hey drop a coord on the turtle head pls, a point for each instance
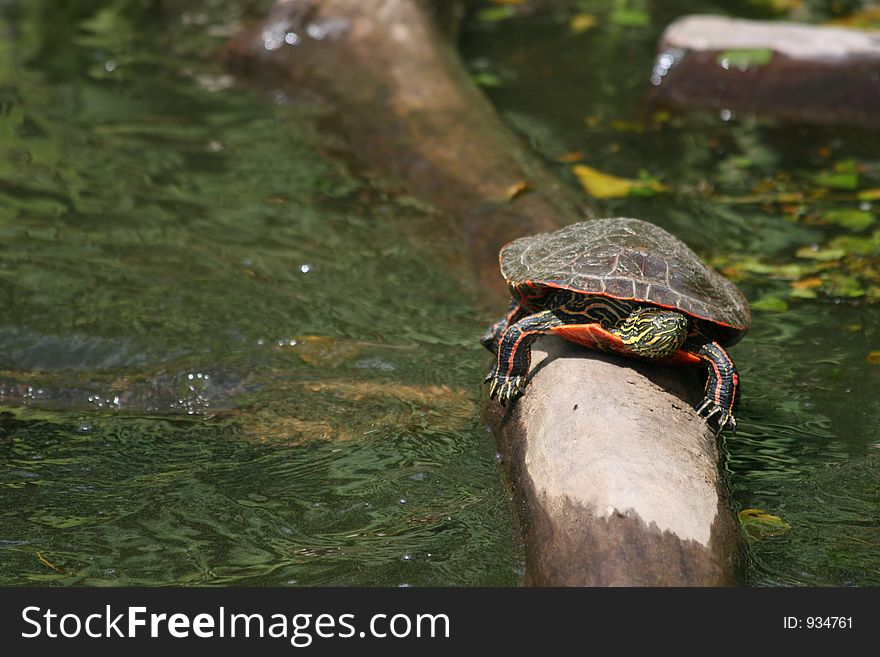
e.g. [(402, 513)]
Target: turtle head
[(653, 332)]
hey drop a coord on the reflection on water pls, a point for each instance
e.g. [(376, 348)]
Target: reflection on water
[(136, 501)]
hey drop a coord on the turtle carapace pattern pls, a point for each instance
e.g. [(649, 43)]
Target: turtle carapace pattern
[(625, 286)]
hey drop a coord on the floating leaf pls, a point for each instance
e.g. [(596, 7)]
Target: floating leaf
[(516, 189), (873, 358), (822, 254), (845, 180), (852, 219), (840, 285), (487, 80), (496, 14), (762, 197), (43, 560), (846, 166), (661, 116), (325, 351), (629, 17), (770, 304), (627, 126), (805, 283), (743, 59), (582, 22), (806, 287), (790, 271), (568, 158), (758, 524), (857, 244), (869, 194), (604, 185), (803, 293)]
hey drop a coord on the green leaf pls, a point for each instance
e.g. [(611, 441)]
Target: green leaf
[(848, 180), (820, 253), (770, 304), (857, 244), (758, 524), (487, 80), (495, 14), (839, 285), (630, 17), (745, 58), (803, 293), (852, 219)]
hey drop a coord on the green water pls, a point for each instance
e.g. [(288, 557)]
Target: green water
[(154, 225), (308, 367)]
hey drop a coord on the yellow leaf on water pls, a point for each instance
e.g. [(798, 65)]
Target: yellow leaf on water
[(806, 283), (568, 158), (873, 357), (758, 524), (627, 126), (516, 189), (604, 185), (582, 22), (325, 351), (43, 560), (869, 195)]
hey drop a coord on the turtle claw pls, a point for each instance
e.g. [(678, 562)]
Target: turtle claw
[(505, 389), (709, 409)]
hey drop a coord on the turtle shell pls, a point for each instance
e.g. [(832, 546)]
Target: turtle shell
[(630, 259)]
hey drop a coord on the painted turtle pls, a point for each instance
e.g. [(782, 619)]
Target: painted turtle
[(620, 285)]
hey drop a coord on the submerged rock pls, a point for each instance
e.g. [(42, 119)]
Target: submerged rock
[(794, 72)]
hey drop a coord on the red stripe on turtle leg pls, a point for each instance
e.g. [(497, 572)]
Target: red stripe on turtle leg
[(723, 380), (519, 337)]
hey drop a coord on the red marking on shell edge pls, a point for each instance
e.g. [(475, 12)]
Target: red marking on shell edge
[(557, 286), (593, 336)]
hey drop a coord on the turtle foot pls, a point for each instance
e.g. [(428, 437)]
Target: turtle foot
[(505, 389), (709, 409)]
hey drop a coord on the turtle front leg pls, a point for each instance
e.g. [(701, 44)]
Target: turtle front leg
[(507, 379), (722, 386), (493, 334)]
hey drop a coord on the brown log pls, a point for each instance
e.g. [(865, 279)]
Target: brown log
[(615, 475)]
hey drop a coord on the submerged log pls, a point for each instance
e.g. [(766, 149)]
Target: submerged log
[(409, 108), (616, 476), (801, 73)]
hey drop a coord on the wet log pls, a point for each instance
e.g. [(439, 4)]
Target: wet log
[(790, 71), (616, 478)]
